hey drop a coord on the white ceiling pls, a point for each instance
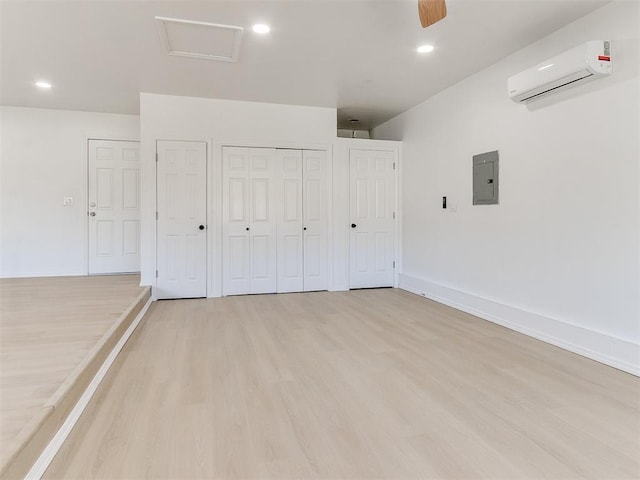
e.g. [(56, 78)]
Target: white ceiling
[(356, 55)]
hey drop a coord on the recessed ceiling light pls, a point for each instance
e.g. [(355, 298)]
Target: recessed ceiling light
[(44, 85), (354, 120), (261, 28), (425, 48)]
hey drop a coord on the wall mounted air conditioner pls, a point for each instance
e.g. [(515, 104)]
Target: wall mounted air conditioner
[(586, 62)]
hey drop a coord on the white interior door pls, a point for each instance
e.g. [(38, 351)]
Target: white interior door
[(249, 221), (314, 194), (263, 228), (236, 222), (372, 209), (290, 239), (182, 214), (114, 206)]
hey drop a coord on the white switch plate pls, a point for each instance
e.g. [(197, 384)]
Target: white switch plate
[(68, 201)]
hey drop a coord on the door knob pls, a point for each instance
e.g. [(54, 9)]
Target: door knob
[(93, 214), (201, 227), (353, 225), (247, 229), (304, 228)]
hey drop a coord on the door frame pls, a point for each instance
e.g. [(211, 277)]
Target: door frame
[(396, 149), (85, 200), (207, 215)]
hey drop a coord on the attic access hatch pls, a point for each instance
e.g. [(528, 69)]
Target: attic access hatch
[(210, 41)]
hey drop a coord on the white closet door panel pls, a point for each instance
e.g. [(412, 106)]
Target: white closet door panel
[(114, 211), (236, 222), (263, 213), (260, 262), (182, 214), (372, 204), (260, 196), (238, 256), (314, 198), (313, 265), (237, 197), (275, 200), (290, 267), (289, 225)]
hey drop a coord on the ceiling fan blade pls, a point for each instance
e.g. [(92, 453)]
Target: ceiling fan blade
[(431, 11)]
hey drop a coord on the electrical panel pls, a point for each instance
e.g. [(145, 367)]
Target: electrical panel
[(485, 178)]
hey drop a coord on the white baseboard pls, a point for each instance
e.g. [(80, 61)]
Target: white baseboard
[(47, 455), (41, 275), (612, 351)]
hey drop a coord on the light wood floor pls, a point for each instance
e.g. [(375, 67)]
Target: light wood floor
[(47, 326), (362, 384)]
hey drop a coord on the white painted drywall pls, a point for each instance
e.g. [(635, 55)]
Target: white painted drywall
[(218, 123), (43, 158), (346, 133), (563, 244)]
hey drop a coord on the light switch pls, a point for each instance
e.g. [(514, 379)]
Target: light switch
[(68, 201)]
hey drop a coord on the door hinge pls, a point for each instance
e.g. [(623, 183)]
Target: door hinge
[(156, 157), (394, 264), (156, 273), (156, 215), (394, 165), (394, 215)]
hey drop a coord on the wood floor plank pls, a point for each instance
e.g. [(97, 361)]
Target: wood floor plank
[(361, 384), (47, 327)]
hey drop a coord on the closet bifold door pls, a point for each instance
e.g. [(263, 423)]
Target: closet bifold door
[(249, 220), (302, 220), (263, 225), (290, 240), (235, 221), (314, 219)]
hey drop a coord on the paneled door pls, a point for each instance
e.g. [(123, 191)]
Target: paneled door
[(114, 206), (290, 238), (302, 220), (181, 219), (314, 212), (249, 221), (263, 220), (372, 210)]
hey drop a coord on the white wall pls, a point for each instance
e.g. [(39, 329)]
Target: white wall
[(43, 158), (558, 258), (346, 133), (219, 122)]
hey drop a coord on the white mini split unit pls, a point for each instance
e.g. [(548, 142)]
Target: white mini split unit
[(586, 62)]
